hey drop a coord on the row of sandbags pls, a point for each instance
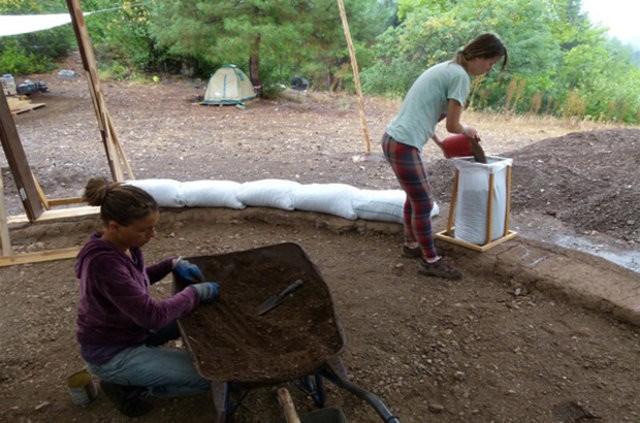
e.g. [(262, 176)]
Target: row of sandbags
[(334, 198)]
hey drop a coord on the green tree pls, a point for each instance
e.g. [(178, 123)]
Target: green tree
[(433, 31), (276, 39), (34, 52), (559, 62)]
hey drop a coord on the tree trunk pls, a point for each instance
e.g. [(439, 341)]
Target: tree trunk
[(254, 65)]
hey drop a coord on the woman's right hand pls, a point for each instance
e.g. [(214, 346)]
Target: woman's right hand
[(470, 132)]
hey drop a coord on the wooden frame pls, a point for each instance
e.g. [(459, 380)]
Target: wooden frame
[(449, 233), (35, 202)]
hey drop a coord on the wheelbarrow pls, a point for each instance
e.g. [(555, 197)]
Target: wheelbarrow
[(238, 348)]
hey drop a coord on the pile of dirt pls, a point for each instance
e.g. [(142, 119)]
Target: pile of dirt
[(588, 180)]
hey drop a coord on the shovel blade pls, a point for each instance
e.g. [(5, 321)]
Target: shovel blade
[(478, 152)]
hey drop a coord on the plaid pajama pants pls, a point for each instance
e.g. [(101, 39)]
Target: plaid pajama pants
[(409, 170)]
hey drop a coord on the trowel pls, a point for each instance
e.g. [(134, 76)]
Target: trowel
[(275, 300), (478, 152)]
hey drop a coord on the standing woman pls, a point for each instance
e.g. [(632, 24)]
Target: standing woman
[(440, 92), (120, 326)]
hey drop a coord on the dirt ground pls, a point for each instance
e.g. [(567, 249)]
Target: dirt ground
[(484, 349)]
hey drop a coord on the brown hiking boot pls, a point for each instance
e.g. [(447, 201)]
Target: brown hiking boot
[(440, 269), (415, 252)]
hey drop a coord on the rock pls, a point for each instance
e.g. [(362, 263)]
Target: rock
[(436, 408), (42, 405), (460, 375)]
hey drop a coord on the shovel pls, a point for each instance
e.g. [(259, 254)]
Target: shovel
[(273, 301)]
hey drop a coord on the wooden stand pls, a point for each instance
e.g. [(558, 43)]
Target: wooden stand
[(8, 258), (448, 234)]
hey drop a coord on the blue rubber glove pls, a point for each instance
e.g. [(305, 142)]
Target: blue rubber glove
[(207, 291), (187, 271)]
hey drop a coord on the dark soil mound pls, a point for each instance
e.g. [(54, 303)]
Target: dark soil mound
[(588, 180)]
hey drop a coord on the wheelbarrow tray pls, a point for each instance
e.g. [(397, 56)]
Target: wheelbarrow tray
[(230, 342)]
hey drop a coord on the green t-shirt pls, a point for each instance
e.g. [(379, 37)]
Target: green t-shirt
[(426, 101)]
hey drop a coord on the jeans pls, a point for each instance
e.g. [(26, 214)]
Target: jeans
[(164, 372)]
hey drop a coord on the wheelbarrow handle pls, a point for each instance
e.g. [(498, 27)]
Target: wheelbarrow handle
[(290, 414)]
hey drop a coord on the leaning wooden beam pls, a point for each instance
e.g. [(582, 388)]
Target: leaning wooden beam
[(91, 70), (121, 153), (18, 163), (356, 76), (41, 194)]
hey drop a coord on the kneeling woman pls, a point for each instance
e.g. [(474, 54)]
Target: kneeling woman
[(120, 326)]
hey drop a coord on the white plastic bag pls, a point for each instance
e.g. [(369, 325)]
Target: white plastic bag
[(471, 212)]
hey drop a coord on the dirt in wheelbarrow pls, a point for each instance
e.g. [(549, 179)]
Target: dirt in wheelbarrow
[(234, 339)]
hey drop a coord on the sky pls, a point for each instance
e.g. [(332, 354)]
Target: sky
[(620, 16)]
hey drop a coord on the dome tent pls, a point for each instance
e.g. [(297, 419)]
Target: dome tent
[(229, 85)]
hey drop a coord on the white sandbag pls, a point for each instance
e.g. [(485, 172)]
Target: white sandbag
[(333, 199), (277, 193), (472, 201), (383, 205), (210, 193), (166, 192)]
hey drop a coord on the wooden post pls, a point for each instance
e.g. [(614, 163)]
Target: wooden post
[(489, 208), (4, 228), (508, 206), (452, 203), (356, 75)]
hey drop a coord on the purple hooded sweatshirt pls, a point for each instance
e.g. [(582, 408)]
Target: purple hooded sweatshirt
[(115, 310)]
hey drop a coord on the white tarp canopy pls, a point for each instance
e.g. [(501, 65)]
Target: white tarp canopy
[(23, 24)]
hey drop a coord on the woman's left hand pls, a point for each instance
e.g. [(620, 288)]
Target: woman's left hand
[(187, 271)]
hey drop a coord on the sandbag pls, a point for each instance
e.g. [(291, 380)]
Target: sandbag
[(166, 192), (210, 193), (276, 193), (335, 199), (383, 205)]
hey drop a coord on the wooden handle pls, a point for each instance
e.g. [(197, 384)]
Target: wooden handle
[(288, 290), (290, 414)]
